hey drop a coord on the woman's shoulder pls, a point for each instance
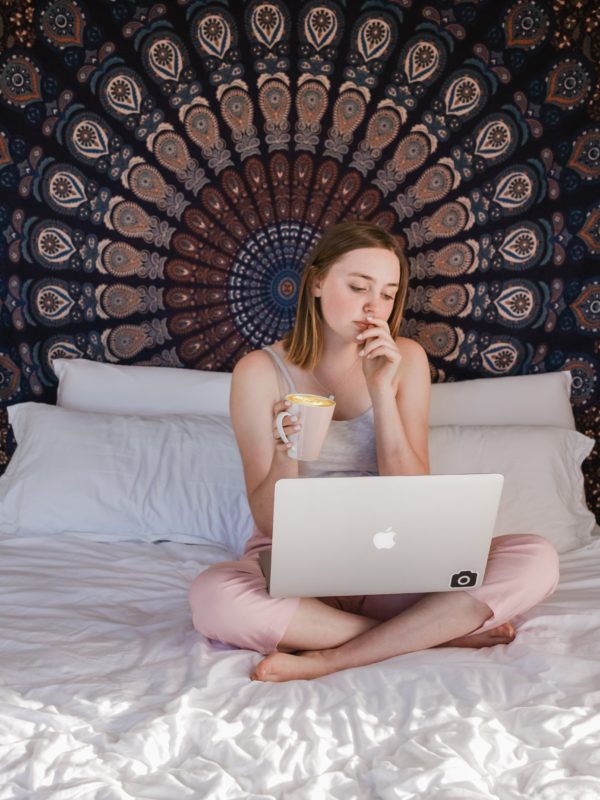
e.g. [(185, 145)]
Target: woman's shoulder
[(256, 361), (415, 362), (410, 348), (259, 365), (255, 375)]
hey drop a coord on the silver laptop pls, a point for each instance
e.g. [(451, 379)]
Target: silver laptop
[(380, 534)]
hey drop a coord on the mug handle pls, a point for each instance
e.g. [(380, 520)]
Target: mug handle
[(279, 423)]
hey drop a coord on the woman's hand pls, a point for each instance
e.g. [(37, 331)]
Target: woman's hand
[(381, 359), (290, 426)]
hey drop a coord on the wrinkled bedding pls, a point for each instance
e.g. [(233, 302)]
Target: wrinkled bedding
[(107, 692)]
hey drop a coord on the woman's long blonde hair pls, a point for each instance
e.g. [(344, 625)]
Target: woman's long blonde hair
[(304, 342)]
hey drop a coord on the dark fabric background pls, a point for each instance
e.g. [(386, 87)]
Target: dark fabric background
[(164, 169)]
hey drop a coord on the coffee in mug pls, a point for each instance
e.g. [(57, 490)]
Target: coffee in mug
[(314, 413)]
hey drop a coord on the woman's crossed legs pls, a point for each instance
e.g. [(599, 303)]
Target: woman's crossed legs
[(309, 637), (522, 570)]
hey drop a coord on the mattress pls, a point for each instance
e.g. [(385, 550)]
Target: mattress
[(107, 692)]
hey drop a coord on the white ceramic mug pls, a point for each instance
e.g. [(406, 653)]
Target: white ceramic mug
[(314, 414)]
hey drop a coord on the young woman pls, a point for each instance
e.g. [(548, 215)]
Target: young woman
[(345, 342)]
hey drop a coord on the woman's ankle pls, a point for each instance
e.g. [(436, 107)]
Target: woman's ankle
[(319, 626)]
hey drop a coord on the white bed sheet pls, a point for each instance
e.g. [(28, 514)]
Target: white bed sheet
[(107, 692)]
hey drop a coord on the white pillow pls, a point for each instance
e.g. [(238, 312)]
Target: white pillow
[(116, 478), (543, 399), (180, 478), (543, 483), (86, 385)]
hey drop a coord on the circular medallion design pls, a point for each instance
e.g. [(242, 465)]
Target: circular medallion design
[(165, 171)]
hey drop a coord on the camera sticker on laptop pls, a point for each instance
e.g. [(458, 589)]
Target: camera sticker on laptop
[(463, 579)]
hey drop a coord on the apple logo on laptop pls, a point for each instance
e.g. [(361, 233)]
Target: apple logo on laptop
[(383, 540)]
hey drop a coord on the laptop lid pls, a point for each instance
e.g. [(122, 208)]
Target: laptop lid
[(381, 534)]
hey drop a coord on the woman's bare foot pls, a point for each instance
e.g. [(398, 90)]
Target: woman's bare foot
[(503, 634), (309, 664), (305, 665)]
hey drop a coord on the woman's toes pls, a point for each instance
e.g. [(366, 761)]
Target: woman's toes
[(501, 634), (505, 631), (283, 667), (262, 670)]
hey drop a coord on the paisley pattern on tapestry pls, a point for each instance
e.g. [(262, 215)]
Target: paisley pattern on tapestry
[(165, 168)]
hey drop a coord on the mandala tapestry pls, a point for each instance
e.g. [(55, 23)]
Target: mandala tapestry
[(165, 167)]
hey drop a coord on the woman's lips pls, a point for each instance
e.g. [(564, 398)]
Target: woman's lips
[(362, 326)]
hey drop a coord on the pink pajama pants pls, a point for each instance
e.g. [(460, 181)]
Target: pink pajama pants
[(230, 602)]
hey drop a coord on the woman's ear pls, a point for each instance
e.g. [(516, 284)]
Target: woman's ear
[(315, 287)]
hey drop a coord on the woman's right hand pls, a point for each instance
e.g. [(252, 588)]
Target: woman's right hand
[(290, 426)]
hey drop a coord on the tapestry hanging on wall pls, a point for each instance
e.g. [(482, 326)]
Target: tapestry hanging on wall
[(165, 168)]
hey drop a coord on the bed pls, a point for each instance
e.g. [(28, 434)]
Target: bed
[(107, 691)]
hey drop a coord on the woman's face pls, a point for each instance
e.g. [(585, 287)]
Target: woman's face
[(360, 283)]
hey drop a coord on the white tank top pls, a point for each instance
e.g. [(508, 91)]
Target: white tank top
[(349, 447)]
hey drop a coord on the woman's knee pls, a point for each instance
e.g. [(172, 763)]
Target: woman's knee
[(212, 601), (548, 562), (541, 567)]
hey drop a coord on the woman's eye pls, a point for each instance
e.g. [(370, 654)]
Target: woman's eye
[(362, 289)]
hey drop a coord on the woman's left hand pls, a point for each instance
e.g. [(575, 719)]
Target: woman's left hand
[(381, 359)]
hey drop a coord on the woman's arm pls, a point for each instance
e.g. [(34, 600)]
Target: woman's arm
[(402, 421), (254, 391), (399, 383)]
